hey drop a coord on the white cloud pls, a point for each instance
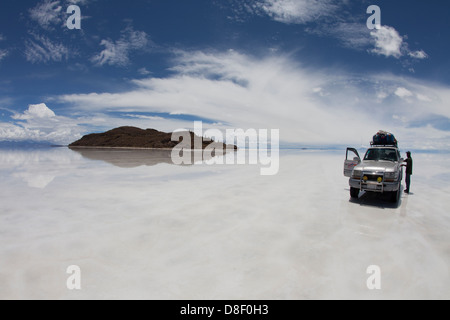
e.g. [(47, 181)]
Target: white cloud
[(317, 90), (423, 97), (47, 13), (144, 71), (39, 123), (403, 93), (43, 50), (381, 95), (385, 41), (388, 42), (277, 93), (118, 52), (295, 11), (418, 54), (40, 111)]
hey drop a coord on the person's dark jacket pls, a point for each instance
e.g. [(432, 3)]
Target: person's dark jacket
[(409, 166)]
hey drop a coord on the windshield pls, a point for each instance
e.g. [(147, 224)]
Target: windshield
[(380, 154)]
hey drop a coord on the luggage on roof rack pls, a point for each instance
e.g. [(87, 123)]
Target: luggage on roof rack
[(383, 138)]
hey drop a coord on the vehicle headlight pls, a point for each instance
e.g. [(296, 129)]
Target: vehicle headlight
[(391, 176), (357, 174)]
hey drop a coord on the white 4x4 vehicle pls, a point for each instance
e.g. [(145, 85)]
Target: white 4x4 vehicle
[(380, 171)]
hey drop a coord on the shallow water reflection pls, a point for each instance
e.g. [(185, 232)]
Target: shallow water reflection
[(132, 158), (127, 158), (140, 227)]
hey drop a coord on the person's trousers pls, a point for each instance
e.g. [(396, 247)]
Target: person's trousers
[(408, 182)]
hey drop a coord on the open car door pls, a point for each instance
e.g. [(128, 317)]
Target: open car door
[(352, 159)]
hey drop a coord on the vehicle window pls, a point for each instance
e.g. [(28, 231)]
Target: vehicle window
[(372, 154), (381, 155), (388, 155)]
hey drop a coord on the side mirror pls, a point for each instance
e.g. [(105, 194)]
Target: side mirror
[(402, 160), (356, 159)]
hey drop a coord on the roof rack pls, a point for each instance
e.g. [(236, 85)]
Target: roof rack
[(395, 145)]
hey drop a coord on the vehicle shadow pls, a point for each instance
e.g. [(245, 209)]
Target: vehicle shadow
[(378, 200)]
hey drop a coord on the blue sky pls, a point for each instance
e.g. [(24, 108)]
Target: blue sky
[(309, 68)]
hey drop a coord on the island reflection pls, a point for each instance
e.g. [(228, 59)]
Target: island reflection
[(132, 158)]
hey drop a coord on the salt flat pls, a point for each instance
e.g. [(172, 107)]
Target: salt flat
[(147, 229)]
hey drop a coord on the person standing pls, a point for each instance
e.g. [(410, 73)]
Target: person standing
[(409, 170)]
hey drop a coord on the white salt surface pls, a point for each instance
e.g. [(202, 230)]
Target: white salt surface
[(216, 232)]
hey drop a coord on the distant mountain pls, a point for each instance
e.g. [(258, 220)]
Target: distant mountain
[(131, 137)]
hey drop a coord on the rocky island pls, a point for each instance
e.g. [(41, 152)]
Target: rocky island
[(136, 138)]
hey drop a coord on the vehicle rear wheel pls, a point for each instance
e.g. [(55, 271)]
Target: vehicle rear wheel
[(354, 193)]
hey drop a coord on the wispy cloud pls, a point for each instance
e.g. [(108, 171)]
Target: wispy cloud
[(79, 2), (3, 54), (242, 91), (385, 41), (41, 49), (144, 71), (117, 53), (276, 92), (295, 11), (351, 35), (325, 18), (47, 13)]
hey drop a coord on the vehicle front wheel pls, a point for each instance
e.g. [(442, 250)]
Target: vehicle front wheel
[(395, 196), (354, 193)]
